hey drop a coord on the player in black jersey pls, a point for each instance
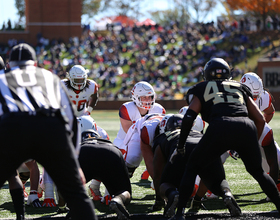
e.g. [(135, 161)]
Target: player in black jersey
[(94, 151), (226, 105), (170, 174)]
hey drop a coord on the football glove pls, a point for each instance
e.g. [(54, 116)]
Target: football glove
[(33, 199), (234, 154), (49, 203), (177, 151), (36, 203)]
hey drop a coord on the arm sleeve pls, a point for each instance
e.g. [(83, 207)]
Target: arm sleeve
[(187, 124)]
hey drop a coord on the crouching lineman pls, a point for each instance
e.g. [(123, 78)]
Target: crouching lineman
[(94, 151), (170, 174)]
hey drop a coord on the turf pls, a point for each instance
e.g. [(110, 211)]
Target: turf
[(245, 189)]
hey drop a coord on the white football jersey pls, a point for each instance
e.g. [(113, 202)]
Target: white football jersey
[(80, 98), (263, 101), (129, 111), (131, 145), (148, 128)]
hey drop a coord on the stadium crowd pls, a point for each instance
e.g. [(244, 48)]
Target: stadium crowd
[(169, 57), (142, 57)]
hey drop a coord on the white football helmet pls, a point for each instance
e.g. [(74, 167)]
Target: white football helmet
[(198, 124), (170, 122), (78, 77), (86, 122), (254, 82), (143, 89)]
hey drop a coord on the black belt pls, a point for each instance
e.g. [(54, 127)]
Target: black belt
[(38, 112)]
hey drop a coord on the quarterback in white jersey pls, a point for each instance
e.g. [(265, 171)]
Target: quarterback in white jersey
[(83, 92), (143, 96)]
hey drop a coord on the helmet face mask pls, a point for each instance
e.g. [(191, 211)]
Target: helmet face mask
[(77, 77), (216, 69), (254, 82), (143, 95)]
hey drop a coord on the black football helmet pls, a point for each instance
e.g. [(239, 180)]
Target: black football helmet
[(171, 122), (216, 69), (89, 133)]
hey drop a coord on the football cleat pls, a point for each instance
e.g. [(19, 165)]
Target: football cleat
[(95, 194), (63, 209), (177, 217), (196, 205), (171, 205), (231, 204), (210, 195), (106, 199), (118, 207), (145, 175), (158, 205)]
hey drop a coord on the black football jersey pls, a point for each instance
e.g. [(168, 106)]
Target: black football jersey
[(220, 98), (168, 141)]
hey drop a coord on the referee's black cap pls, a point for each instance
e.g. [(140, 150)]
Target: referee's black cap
[(22, 52)]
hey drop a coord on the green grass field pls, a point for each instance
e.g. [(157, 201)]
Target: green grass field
[(245, 189)]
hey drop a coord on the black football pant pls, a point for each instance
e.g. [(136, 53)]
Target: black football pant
[(222, 134), (46, 140), (106, 165)]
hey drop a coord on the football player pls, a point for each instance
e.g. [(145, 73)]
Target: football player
[(133, 142), (226, 105), (168, 175), (143, 103), (87, 122), (94, 151), (83, 92), (270, 148)]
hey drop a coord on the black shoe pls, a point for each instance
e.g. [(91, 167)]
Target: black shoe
[(177, 217), (63, 210), (171, 205), (231, 204), (118, 207), (158, 205), (196, 205)]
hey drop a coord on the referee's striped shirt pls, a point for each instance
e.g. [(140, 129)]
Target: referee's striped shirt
[(28, 88)]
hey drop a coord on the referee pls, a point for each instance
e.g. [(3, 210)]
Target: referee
[(37, 122)]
